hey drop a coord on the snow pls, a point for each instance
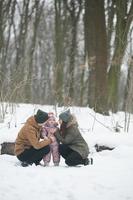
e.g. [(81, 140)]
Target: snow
[(110, 177)]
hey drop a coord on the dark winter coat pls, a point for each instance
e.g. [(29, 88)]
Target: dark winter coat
[(29, 136), (73, 138)]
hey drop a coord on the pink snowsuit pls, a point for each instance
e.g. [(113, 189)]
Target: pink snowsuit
[(54, 146)]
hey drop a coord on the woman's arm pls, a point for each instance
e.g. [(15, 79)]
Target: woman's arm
[(68, 138)]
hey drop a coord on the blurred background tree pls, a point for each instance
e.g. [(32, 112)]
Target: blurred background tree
[(67, 52)]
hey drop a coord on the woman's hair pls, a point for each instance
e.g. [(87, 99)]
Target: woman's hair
[(63, 128)]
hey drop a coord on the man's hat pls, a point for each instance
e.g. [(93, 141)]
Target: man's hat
[(41, 116)]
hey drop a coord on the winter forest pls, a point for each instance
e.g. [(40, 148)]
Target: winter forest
[(57, 55), (67, 52)]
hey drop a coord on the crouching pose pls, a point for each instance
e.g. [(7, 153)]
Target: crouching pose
[(73, 147), (29, 148)]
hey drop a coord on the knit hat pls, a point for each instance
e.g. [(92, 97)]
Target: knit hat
[(65, 116), (41, 116)]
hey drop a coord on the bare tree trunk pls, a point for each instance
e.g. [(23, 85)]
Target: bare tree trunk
[(30, 79), (129, 89), (59, 52), (96, 53), (74, 9), (110, 25), (124, 19), (7, 10), (20, 34)]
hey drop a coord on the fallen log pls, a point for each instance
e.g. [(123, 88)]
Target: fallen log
[(7, 148), (102, 147)]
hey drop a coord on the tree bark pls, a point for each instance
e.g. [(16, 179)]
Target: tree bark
[(59, 51), (96, 52), (74, 8), (124, 19)]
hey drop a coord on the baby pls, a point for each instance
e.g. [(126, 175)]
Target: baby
[(47, 130)]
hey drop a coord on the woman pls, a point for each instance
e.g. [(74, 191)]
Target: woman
[(29, 148), (74, 148)]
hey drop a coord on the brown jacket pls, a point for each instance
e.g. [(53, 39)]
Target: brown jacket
[(29, 136)]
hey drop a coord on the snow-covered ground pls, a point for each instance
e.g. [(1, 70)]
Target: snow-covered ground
[(110, 177)]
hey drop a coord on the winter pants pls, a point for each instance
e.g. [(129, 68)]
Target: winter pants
[(71, 157), (54, 153), (33, 155)]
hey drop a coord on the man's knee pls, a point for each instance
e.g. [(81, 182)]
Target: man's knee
[(46, 149)]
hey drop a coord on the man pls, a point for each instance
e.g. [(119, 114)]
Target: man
[(29, 147)]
